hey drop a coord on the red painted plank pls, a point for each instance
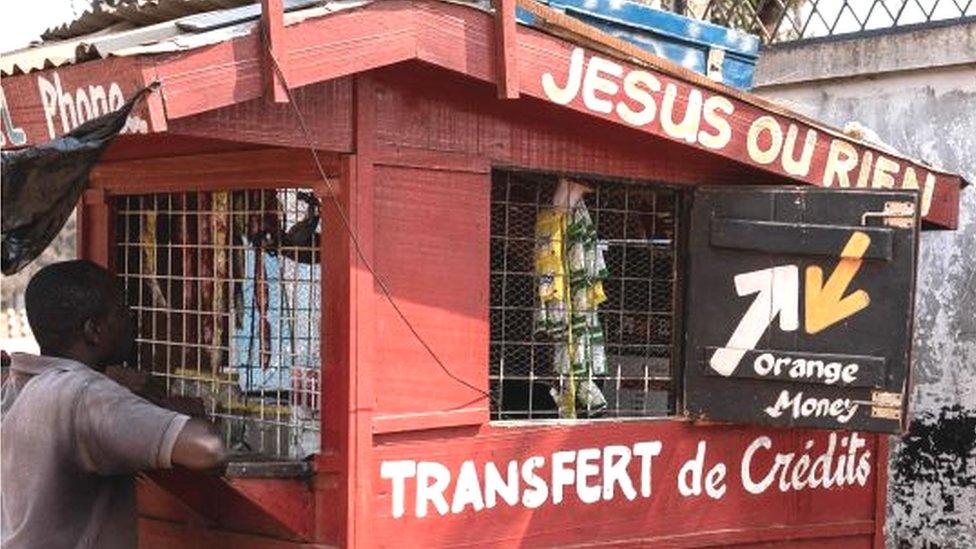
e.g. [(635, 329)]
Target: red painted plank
[(290, 502), (598, 88), (211, 77), (437, 419), (269, 507), (272, 35), (415, 115), (666, 516), (722, 121), (48, 104), (363, 305), (223, 74), (161, 534), (881, 491), (326, 107), (357, 40), (95, 228), (338, 352), (506, 49), (839, 535), (158, 145), (260, 168), (432, 251)]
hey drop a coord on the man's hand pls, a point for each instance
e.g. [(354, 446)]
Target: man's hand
[(198, 446)]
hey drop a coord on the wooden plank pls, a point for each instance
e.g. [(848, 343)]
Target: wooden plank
[(269, 507), (774, 237), (351, 42), (47, 104), (363, 304), (416, 119), (337, 347), (674, 511), (96, 228), (211, 77), (348, 328), (426, 159), (432, 235), (288, 501), (661, 99), (326, 106), (506, 49), (239, 169), (747, 129), (161, 534), (881, 490), (230, 72), (157, 145), (272, 34), (429, 420), (840, 535)]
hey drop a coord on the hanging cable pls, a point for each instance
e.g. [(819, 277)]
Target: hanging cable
[(355, 239)]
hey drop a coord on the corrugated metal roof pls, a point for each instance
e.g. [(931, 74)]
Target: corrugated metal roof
[(54, 54), (140, 13), (188, 32)]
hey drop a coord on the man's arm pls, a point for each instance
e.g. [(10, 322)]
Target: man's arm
[(198, 446), (117, 432)]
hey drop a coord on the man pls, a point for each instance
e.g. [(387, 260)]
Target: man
[(73, 439)]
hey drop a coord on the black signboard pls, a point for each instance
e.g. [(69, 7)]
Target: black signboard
[(799, 307)]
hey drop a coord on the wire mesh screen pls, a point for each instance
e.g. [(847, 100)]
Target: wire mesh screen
[(787, 20), (226, 289), (625, 336)]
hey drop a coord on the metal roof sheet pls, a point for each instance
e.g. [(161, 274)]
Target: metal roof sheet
[(124, 38), (56, 53), (104, 13)]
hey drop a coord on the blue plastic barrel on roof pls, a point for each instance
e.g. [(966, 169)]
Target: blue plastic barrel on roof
[(718, 52)]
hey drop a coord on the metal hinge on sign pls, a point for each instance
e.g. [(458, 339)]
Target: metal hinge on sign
[(886, 405), (716, 59), (900, 215)]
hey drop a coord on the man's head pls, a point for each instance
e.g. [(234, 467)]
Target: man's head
[(77, 310)]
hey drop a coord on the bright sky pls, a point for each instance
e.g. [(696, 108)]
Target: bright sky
[(22, 21)]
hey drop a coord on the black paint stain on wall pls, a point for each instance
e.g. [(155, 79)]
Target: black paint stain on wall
[(938, 451)]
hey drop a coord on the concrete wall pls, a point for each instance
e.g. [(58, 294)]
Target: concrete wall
[(917, 90)]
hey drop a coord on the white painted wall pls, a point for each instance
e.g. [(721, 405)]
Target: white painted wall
[(929, 112)]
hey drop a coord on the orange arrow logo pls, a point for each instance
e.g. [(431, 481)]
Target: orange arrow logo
[(825, 303)]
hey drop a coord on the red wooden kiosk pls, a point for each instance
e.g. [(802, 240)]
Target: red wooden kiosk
[(441, 129)]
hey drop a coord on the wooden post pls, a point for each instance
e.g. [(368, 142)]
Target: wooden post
[(95, 229), (272, 35), (506, 49)]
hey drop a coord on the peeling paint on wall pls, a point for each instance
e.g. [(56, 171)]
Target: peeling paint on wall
[(927, 114), (932, 473)]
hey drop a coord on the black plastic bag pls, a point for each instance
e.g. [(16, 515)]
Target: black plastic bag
[(42, 184)]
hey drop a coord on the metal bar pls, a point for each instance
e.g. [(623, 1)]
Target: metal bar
[(630, 219), (263, 412)]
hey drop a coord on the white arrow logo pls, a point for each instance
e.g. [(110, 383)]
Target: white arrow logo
[(777, 290)]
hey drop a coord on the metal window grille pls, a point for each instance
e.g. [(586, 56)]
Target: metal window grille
[(778, 21), (226, 290), (636, 227)]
